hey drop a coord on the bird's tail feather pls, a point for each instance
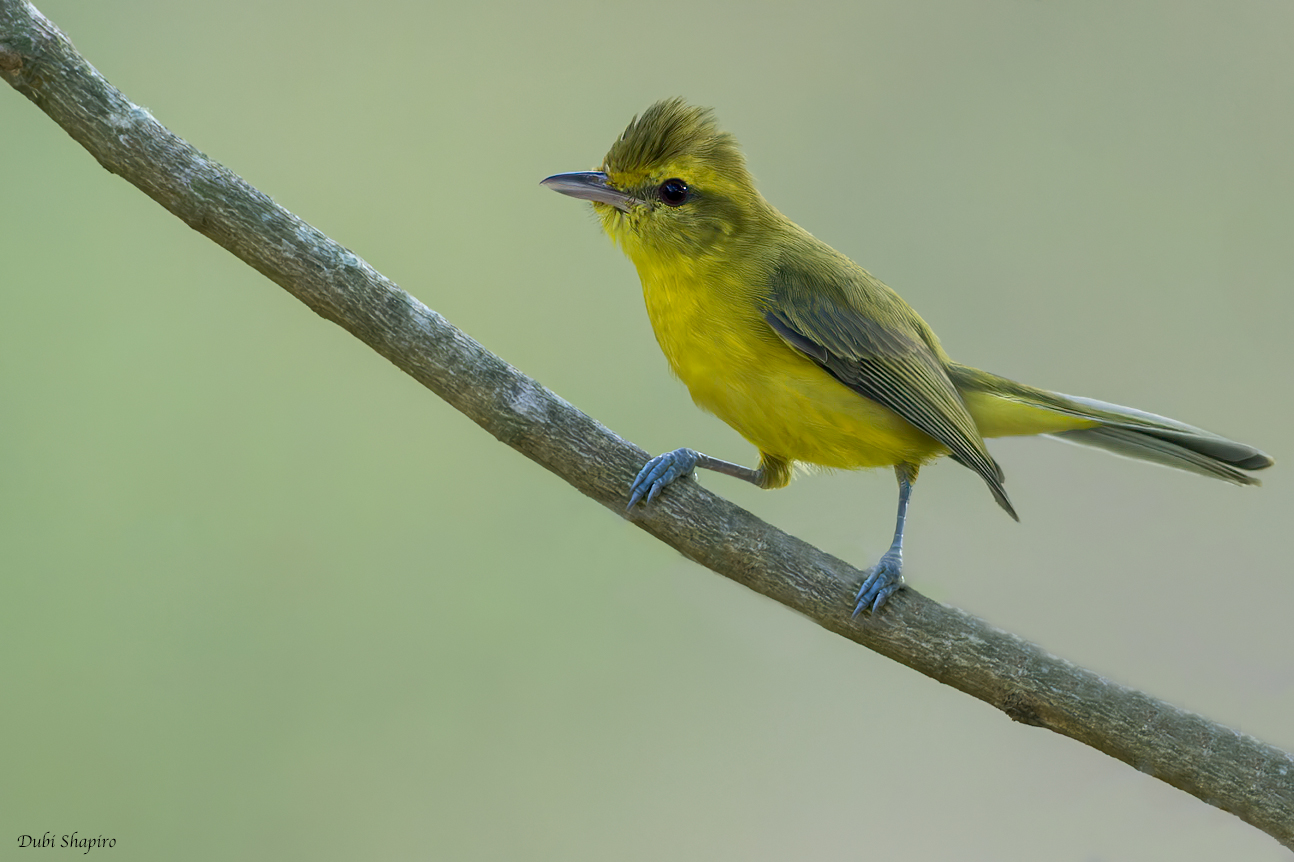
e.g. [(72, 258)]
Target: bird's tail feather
[(1127, 431)]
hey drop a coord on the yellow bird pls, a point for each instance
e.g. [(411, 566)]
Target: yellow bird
[(806, 354)]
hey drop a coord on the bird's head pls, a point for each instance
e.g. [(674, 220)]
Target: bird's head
[(674, 185)]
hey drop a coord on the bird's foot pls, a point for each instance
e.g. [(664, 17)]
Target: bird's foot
[(882, 580), (659, 472)]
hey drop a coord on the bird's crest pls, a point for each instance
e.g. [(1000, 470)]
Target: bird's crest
[(669, 132)]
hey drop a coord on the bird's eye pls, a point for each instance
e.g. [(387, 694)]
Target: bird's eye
[(673, 193)]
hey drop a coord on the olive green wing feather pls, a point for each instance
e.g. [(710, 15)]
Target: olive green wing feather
[(888, 362)]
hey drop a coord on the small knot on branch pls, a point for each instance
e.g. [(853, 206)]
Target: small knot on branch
[(1020, 707)]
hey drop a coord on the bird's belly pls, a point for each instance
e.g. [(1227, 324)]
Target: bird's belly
[(785, 404)]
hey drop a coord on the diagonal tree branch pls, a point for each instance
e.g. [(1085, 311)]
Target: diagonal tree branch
[(1221, 766)]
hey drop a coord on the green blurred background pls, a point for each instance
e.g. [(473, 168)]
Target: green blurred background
[(264, 597)]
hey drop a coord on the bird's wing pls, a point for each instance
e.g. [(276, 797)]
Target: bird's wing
[(887, 364)]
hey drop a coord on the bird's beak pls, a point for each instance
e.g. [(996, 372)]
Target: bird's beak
[(589, 186)]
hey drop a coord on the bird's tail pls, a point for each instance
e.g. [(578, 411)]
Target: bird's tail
[(1003, 407)]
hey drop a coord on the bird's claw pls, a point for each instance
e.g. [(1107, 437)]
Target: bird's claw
[(659, 472), (882, 580)]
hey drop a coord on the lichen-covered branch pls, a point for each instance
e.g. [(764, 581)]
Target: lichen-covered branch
[(1221, 766)]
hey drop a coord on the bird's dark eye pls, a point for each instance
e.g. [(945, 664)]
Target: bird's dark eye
[(673, 193)]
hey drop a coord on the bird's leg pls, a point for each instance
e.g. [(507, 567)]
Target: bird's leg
[(663, 469), (887, 575)]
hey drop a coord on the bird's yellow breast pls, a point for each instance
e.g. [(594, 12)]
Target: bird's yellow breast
[(710, 326)]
